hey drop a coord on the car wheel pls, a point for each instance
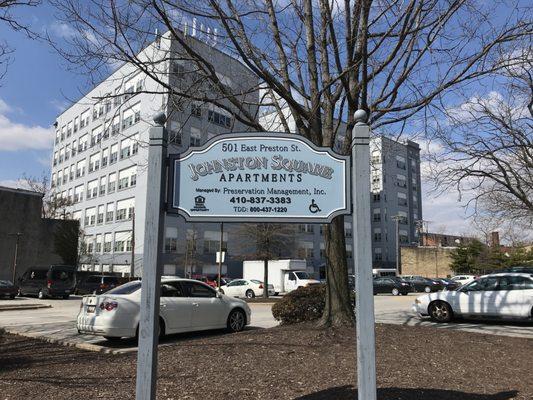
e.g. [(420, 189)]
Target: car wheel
[(41, 295), (236, 321), (427, 289), (395, 292), (66, 297), (440, 311), (12, 297), (404, 294), (250, 294)]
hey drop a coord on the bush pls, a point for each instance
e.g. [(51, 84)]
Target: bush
[(302, 304)]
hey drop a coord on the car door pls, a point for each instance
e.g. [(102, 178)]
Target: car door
[(208, 310), (175, 307), (513, 294), (481, 297), (290, 281), (378, 285), (234, 288)]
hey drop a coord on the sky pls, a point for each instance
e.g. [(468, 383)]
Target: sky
[(39, 85)]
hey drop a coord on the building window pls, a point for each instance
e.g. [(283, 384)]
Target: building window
[(171, 240), (306, 228), (400, 162), (219, 119), (196, 110), (377, 235), (212, 246), (377, 254), (376, 197), (401, 181), (376, 215), (402, 199), (196, 137)]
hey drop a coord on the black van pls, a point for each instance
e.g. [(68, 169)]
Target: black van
[(49, 281)]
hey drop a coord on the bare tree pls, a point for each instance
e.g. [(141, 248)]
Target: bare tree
[(319, 60), (7, 17), (266, 242), (54, 206), (485, 148)]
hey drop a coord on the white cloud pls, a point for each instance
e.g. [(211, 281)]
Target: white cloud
[(15, 136), (63, 30)]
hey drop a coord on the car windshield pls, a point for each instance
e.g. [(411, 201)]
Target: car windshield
[(6, 283), (127, 288), (302, 275)]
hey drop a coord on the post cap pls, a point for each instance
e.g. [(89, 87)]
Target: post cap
[(160, 118), (360, 116)]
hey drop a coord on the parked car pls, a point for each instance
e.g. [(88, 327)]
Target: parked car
[(49, 281), (206, 280), (97, 284), (503, 295), (463, 279), (8, 289), (448, 283), (421, 284), (214, 278), (521, 268), (391, 284), (186, 305), (249, 288)]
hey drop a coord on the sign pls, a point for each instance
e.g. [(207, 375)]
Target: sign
[(259, 177), (218, 258)]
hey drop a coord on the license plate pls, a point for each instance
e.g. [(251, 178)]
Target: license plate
[(91, 309)]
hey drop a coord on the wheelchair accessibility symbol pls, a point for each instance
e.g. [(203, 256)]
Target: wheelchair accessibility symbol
[(313, 207)]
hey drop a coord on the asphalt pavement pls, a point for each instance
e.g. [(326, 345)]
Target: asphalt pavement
[(57, 323)]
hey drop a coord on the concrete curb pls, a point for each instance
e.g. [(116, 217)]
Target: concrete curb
[(66, 343), (16, 307)]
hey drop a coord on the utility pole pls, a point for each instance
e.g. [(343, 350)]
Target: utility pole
[(220, 253), (132, 265), (396, 218), (15, 259)]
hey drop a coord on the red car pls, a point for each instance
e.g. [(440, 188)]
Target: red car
[(7, 289), (205, 279)]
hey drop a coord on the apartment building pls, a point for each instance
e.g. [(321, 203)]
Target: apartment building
[(101, 146), (100, 156)]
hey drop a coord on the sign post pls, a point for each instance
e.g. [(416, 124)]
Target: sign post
[(362, 246), (151, 277), (258, 177)]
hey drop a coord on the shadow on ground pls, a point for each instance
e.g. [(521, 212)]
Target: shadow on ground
[(349, 392)]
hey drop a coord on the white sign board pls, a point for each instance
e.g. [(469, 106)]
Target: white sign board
[(259, 177)]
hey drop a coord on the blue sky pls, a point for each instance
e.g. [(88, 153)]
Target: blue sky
[(39, 85), (34, 91)]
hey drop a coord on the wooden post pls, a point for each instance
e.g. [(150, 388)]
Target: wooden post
[(362, 256), (151, 277)]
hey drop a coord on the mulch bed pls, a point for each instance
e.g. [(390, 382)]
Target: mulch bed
[(293, 362)]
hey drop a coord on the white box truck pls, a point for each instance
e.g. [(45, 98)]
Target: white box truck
[(285, 275)]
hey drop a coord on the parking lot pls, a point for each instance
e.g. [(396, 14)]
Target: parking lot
[(57, 322)]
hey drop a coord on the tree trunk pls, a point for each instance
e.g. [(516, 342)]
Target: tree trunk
[(265, 278), (337, 311)]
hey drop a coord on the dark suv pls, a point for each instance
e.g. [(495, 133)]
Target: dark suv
[(97, 284), (49, 281)]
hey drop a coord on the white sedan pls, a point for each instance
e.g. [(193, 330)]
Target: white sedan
[(249, 288), (502, 295), (185, 305)]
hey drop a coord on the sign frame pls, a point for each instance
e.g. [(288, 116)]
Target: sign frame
[(173, 181)]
